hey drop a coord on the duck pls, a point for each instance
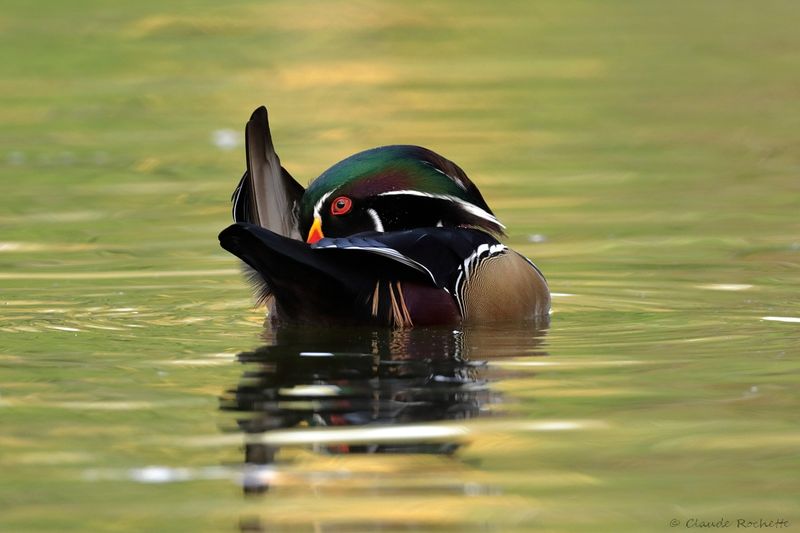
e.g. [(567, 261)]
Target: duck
[(393, 236)]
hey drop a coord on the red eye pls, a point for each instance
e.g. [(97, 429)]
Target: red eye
[(341, 205)]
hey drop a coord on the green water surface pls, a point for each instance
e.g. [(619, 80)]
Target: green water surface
[(645, 154)]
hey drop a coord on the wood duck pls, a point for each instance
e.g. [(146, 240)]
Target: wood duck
[(396, 235)]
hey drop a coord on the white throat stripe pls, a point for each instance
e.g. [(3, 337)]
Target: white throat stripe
[(376, 220)]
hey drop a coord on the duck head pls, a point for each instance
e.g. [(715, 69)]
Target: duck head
[(392, 188)]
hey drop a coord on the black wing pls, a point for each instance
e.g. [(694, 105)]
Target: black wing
[(438, 252), (338, 277), (311, 284)]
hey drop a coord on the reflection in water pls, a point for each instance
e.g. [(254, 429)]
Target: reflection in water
[(364, 391)]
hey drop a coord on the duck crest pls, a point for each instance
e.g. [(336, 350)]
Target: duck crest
[(398, 167)]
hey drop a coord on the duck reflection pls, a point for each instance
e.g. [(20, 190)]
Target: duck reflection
[(375, 379)]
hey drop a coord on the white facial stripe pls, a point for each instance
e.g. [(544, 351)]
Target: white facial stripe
[(375, 219), (453, 178), (319, 203), (466, 206)]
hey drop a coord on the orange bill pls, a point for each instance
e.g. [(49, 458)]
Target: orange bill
[(315, 233)]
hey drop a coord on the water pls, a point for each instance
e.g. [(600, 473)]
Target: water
[(645, 156)]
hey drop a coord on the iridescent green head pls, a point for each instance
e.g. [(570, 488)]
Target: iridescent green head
[(392, 188)]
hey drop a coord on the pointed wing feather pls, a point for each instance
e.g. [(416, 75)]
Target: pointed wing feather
[(267, 194)]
